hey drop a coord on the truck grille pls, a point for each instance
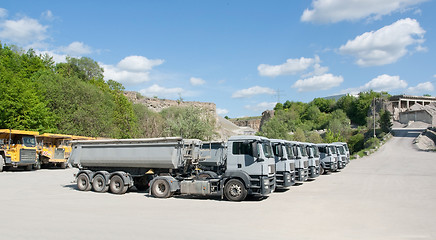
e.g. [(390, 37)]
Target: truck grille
[(27, 155), (59, 153)]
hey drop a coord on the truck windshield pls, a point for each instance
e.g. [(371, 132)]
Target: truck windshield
[(315, 151), (303, 151), (341, 150), (29, 141), (290, 152), (333, 149), (267, 150)]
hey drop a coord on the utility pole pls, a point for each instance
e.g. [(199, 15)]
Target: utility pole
[(373, 115), (278, 95)]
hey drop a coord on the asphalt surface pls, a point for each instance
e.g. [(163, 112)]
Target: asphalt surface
[(388, 195)]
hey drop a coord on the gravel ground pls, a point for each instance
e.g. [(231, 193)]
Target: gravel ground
[(388, 195)]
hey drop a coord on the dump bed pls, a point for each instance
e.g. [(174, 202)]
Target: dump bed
[(168, 153)]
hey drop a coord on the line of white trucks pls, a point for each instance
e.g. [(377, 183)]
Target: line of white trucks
[(232, 169)]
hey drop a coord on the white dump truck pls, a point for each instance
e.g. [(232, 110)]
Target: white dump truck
[(314, 162), (329, 161), (301, 161), (244, 165), (285, 164)]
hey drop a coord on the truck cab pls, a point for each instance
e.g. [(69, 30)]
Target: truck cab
[(250, 159), (285, 164), (313, 158), (342, 155), (328, 160), (301, 161), (18, 149), (53, 149), (344, 151)]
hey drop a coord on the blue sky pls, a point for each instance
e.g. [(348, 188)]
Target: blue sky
[(242, 55)]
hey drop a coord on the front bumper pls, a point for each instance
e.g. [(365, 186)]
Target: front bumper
[(302, 174), (284, 179)]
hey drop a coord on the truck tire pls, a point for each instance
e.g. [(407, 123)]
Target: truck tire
[(99, 183), (37, 165), (234, 190), (117, 185), (321, 170), (161, 189), (63, 165), (83, 183)]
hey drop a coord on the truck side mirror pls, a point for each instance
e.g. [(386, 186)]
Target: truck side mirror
[(280, 152), (255, 150)]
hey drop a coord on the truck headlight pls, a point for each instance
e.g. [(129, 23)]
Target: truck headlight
[(266, 182)]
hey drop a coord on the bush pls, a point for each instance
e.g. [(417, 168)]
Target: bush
[(356, 142), (372, 143)]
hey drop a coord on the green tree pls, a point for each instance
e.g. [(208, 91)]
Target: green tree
[(314, 137), (83, 68), (356, 142), (21, 105), (324, 105), (149, 124), (385, 121), (299, 136), (188, 122)]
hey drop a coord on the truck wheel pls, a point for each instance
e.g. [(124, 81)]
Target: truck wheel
[(37, 165), (235, 190), (117, 185), (99, 184), (63, 165), (83, 183), (160, 189)]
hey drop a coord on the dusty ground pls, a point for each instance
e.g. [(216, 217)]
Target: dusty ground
[(389, 195)]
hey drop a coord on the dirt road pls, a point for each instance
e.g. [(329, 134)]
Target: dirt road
[(389, 195)]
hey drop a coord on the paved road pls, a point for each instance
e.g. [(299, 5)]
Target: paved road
[(389, 195)]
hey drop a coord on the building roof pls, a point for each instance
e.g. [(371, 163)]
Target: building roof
[(398, 97)]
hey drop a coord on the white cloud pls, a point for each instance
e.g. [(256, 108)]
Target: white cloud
[(48, 15), (331, 11), (290, 67), (124, 76), (421, 88), (261, 106), (162, 92), (25, 31), (76, 48), (222, 111), (131, 70), (385, 45), (319, 82), (380, 83), (249, 92), (138, 63), (196, 81), (3, 13)]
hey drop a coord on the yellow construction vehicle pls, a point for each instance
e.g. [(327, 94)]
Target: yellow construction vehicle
[(18, 149), (54, 149)]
